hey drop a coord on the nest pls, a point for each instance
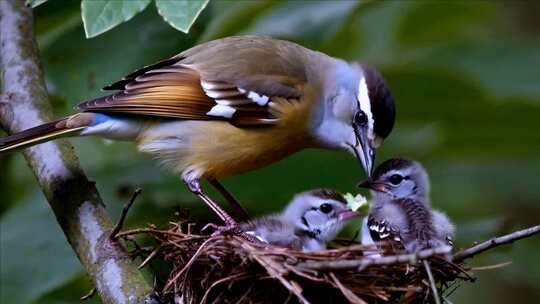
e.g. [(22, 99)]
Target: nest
[(230, 269)]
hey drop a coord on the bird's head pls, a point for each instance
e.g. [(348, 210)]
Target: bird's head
[(358, 113), (399, 178), (319, 213)]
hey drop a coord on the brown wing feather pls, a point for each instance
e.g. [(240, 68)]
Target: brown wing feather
[(173, 92), (120, 85), (173, 88)]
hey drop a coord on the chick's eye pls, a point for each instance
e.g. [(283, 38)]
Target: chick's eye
[(396, 179), (360, 118), (325, 208)]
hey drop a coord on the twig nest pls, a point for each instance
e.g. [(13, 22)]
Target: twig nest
[(230, 269)]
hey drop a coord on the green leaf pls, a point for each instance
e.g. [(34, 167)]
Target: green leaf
[(35, 3), (100, 16), (34, 254), (76, 68), (308, 22), (180, 14), (473, 23), (357, 203), (231, 18), (54, 20)]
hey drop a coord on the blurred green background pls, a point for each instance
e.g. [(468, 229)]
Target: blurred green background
[(465, 76)]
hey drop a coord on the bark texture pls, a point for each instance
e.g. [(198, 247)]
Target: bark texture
[(74, 199)]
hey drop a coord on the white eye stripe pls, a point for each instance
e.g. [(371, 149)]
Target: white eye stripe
[(365, 105)]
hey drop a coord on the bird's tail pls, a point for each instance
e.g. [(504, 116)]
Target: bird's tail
[(49, 131)]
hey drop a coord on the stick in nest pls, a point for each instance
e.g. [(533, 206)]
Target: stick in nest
[(432, 282), (215, 268), (114, 233)]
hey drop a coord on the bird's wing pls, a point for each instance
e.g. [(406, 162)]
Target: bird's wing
[(382, 231), (449, 240), (233, 79)]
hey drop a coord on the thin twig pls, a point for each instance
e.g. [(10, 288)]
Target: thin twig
[(188, 264), (150, 256), (236, 277), (361, 264), (114, 233), (494, 242), (347, 293), (89, 295), (432, 282), (75, 201), (270, 266), (490, 267), (155, 231)]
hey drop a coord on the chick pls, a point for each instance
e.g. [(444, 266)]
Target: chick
[(400, 210), (308, 223)]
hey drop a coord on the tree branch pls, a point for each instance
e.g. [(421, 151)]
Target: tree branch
[(361, 264), (74, 200), (494, 242)]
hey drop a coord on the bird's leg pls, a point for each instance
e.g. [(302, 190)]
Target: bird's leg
[(192, 181), (230, 199)]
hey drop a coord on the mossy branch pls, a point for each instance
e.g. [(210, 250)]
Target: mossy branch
[(74, 199)]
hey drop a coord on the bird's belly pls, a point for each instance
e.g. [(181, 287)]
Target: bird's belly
[(227, 150), (217, 149)]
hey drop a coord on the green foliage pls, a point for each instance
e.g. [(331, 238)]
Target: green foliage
[(100, 16), (180, 14), (464, 75), (35, 3), (29, 239)]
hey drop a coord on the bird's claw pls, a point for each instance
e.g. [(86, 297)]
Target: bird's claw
[(230, 230), (222, 230), (209, 226)]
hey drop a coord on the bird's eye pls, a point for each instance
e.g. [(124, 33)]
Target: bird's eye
[(360, 118), (326, 208), (396, 179)]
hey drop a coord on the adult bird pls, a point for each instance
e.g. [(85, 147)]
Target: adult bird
[(233, 105)]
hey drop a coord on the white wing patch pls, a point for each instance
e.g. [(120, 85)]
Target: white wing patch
[(367, 240), (221, 111), (261, 100), (365, 105), (227, 96)]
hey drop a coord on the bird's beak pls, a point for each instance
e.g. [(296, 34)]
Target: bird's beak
[(346, 215), (363, 151), (379, 187)]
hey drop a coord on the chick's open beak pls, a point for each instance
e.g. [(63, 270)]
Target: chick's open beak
[(346, 215), (375, 186)]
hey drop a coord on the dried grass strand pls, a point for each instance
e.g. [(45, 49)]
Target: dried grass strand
[(230, 269)]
